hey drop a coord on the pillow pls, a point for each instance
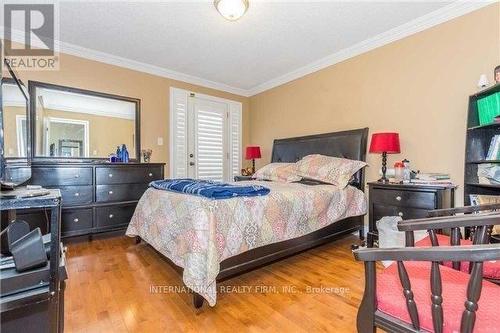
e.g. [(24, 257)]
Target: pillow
[(281, 172), (332, 170)]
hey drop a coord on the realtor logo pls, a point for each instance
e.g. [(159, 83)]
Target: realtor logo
[(29, 34)]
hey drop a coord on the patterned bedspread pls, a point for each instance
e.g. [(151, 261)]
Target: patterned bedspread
[(197, 233)]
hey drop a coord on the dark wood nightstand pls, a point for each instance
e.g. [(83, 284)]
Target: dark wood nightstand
[(406, 200), (242, 178)]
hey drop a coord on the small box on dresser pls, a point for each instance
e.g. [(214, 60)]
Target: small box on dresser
[(409, 201)]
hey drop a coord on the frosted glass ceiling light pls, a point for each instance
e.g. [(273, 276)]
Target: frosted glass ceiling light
[(231, 9)]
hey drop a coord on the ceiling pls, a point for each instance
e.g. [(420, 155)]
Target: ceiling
[(275, 42)]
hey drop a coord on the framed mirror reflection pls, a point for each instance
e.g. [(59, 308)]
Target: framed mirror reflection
[(15, 130), (15, 119), (72, 123)]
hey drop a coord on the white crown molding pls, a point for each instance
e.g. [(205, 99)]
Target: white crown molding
[(82, 52), (444, 14)]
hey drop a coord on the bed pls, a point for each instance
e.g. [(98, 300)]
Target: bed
[(213, 240)]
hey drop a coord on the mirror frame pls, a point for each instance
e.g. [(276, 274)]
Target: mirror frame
[(33, 85)]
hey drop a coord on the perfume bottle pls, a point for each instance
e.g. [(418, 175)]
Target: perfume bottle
[(124, 156), (118, 154)]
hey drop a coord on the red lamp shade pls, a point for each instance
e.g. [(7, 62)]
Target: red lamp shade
[(385, 143), (252, 152)]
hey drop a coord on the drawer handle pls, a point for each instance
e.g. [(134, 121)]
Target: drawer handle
[(77, 194), (110, 175), (76, 220), (110, 216), (77, 176), (400, 214), (150, 174), (398, 198), (110, 192)]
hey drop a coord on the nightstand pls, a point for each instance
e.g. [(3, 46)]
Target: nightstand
[(242, 178), (406, 200)]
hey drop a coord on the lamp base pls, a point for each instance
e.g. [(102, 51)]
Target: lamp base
[(384, 169)]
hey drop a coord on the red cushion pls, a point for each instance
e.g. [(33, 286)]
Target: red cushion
[(392, 302), (491, 269)]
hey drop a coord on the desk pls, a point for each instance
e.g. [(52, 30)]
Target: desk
[(50, 293)]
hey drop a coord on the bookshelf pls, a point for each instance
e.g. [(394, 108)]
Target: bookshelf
[(477, 143)]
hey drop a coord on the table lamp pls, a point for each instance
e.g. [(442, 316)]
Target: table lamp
[(252, 152), (385, 143)]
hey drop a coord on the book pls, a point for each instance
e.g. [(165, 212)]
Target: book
[(483, 199), (494, 150), (431, 182), (432, 176), (488, 173)]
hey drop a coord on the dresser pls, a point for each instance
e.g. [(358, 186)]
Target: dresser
[(96, 197), (405, 200)]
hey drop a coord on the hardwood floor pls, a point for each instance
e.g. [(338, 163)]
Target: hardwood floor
[(110, 282)]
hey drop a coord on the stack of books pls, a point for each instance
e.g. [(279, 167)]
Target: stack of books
[(494, 150), (488, 173), (432, 179)]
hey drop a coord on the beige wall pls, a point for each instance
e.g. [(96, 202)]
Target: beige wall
[(153, 91), (418, 86)]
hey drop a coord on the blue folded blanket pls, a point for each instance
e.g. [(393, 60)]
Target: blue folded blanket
[(209, 189)]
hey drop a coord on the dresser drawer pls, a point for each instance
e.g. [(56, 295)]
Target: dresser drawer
[(114, 216), (76, 195), (73, 220), (406, 213), (125, 192), (48, 176), (414, 199), (124, 175)]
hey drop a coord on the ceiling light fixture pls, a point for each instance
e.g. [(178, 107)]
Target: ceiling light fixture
[(231, 9)]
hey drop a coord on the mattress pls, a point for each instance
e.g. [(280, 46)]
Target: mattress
[(197, 233)]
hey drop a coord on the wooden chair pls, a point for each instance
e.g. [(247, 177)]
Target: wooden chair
[(464, 210), (475, 236), (417, 294)]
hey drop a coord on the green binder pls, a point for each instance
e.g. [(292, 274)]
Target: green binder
[(488, 108)]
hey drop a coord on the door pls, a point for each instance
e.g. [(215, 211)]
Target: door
[(205, 136), (207, 140)]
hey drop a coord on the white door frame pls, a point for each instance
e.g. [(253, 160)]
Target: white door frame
[(231, 105), (20, 134)]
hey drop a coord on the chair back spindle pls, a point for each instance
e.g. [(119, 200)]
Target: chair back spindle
[(410, 238), (408, 294), (473, 293), (436, 298), (433, 237), (455, 241)]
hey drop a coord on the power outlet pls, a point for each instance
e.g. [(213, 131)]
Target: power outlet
[(159, 141)]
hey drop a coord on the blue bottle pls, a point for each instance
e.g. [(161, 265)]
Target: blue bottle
[(124, 156), (118, 154)]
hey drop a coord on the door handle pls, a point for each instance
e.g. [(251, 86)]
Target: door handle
[(191, 163)]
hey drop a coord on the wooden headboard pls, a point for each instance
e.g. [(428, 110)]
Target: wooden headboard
[(346, 144)]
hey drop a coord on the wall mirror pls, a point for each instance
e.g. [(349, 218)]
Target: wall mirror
[(71, 123)]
